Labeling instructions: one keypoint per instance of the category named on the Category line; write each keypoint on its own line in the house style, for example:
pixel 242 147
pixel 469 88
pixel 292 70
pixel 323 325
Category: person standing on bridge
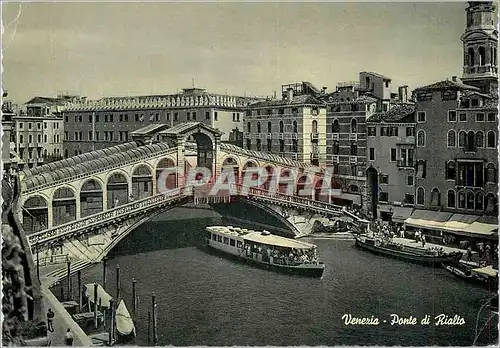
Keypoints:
pixel 68 338
pixel 50 319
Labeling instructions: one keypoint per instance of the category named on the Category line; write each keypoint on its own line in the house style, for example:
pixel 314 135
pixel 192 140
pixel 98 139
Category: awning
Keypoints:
pixel 486 271
pixel 400 214
pixel 459 222
pixel 428 219
pixel 478 228
pixel 356 199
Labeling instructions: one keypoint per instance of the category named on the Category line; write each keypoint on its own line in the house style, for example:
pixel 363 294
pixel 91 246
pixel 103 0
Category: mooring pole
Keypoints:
pixel 100 308
pixel 70 295
pixel 79 275
pixel 149 327
pixel 95 305
pixel 153 314
pixel 134 298
pixel 104 273
pixel 117 283
pixel 112 321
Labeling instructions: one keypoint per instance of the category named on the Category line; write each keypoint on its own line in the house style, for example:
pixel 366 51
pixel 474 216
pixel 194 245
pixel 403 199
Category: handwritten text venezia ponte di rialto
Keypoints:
pixel 396 320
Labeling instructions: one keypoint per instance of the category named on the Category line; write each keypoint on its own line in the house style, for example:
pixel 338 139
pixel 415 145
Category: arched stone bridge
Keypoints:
pixel 82 206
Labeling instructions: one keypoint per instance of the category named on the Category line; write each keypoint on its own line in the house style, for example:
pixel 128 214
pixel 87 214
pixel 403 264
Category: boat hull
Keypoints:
pixel 315 271
pixel 488 283
pixel 420 258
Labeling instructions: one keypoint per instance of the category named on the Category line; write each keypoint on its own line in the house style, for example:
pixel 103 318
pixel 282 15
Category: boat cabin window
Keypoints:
pixel 219 239
pixel 231 242
pixel 226 240
pixel 239 243
pixel 214 236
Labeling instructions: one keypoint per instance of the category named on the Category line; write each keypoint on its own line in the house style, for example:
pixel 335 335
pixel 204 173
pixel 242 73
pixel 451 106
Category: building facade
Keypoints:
pixel 93 125
pixel 391 163
pixel 293 127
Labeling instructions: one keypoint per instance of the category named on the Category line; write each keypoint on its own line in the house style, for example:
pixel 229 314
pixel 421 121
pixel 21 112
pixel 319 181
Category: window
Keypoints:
pixel 435 197
pixel 354 126
pixel 336 127
pixel 479 139
pixel 410 180
pixel 451 171
pixel 295 146
pixel 491 141
pixel 66 119
pixel 269 127
pixel 451 138
pixel 470 200
pixel 470 143
pixel 421 169
pixel 226 240
pixel 482 55
pixel 475 102
pixel 421 138
pixel 384 179
pixel 90 135
pixel 410 131
pixel 269 144
pixel 231 242
pixel 258 127
pixel 393 131
pixel 491 117
pixel 480 117
pixel 216 116
pixel 39 125
pixel 372 131
pixel 335 147
pixel 96 136
pixel 295 127
pixel 258 145
pixel 452 116
pixel 372 154
pixel 462 117
pixel 66 136
pixel 249 127
pixel 30 138
pixel 189 116
pixel 491 173
pixel 353 170
pixel 29 125
pixel 384 131
pixel 383 197
pixel 451 199
pixel 207 115
pixel 393 155
pixel 420 196
pixel 106 118
pixel 462 139
pixel 282 126
pixel 176 116
pixel 354 149
pixel 249 144
pixel 282 145
pixel 421 116
pixel 479 201
pixel 409 198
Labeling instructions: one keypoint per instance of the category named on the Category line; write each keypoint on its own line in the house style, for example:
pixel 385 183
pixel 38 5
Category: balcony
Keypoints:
pixel 269 136
pixel 295 136
pixel 405 164
pixel 248 136
pixel 353 159
pixel 314 136
pixel 280 136
pixel 335 136
pixel 353 136
pixel 294 156
pixel 336 159
pixel 314 156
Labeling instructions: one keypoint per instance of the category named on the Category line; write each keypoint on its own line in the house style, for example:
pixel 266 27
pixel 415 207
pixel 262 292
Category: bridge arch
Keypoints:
pixel 63 205
pixel 35 213
pixel 231 163
pixel 117 189
pixel 271 171
pixel 171 180
pixel 142 181
pixel 91 197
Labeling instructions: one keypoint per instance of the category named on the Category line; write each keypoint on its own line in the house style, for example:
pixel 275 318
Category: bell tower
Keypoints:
pixel 480 41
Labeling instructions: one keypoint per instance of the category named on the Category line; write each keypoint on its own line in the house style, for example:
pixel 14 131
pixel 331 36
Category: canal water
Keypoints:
pixel 204 299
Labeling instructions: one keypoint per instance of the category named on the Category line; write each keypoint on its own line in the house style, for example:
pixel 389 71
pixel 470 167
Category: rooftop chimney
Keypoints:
pixel 403 93
pixel 323 91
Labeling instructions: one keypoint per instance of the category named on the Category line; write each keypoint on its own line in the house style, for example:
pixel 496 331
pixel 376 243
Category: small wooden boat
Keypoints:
pixel 124 322
pixel 406 253
pixel 480 276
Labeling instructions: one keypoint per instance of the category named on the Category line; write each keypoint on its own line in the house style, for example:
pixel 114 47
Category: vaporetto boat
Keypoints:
pixel 266 250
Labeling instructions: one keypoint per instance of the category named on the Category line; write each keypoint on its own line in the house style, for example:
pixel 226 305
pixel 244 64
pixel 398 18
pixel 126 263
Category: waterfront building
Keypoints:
pixel 391 162
pixel 37 131
pixel 8 156
pixel 292 127
pixel 457 138
pixel 93 125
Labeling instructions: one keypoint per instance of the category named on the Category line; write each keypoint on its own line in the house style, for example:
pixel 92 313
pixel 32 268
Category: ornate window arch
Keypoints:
pixel 336 126
pixel 354 126
pixel 461 199
pixel 479 139
pixel 491 173
pixel 451 170
pixel 491 139
pixel 452 141
pixel 295 127
pixel 249 127
pixel 420 196
pixel 435 197
pixel 479 201
pixel 470 199
pixel 282 126
pixel 462 139
pixel 451 203
pixel 421 138
pixel 269 126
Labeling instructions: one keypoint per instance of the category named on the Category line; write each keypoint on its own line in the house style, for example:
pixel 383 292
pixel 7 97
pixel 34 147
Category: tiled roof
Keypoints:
pixel 447 84
pixel 188 126
pixel 46 100
pixel 100 163
pixel 402 112
pixel 365 99
pixel 87 156
pixel 297 100
pixel 150 129
pixel 377 75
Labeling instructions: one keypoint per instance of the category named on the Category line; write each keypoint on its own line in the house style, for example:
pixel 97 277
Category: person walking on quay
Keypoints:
pixel 423 241
pixel 68 338
pixel 469 253
pixel 50 319
pixel 481 250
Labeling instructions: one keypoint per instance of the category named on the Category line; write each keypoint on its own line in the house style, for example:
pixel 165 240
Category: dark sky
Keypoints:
pixel 106 49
